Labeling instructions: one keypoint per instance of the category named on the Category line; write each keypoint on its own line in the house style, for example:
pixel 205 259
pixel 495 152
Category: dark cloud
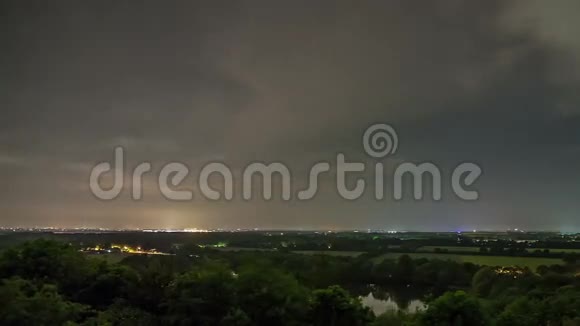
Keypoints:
pixel 296 81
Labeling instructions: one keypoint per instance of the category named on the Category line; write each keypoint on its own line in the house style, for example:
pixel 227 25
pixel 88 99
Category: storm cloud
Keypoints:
pixel 491 82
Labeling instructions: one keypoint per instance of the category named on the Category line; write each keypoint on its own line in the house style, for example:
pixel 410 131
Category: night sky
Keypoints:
pixel 491 82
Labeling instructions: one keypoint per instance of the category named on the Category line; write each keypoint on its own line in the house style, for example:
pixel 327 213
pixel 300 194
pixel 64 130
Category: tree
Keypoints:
pixel 121 314
pixel 110 283
pixel 335 307
pixel 271 297
pixel 155 275
pixel 571 258
pixel 47 261
pixel 236 317
pixel 202 296
pixel 454 308
pixel 395 318
pixel 483 281
pixel 405 269
pixel 521 312
pixel 24 303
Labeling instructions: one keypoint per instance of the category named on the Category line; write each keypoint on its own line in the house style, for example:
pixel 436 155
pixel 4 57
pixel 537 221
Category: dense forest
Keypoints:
pixel 46 282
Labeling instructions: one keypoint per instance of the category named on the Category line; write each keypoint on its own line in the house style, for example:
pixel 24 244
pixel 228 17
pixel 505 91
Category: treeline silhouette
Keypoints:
pixel 45 282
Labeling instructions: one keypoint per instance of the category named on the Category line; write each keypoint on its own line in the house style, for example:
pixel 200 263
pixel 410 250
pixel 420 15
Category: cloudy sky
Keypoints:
pixel 490 82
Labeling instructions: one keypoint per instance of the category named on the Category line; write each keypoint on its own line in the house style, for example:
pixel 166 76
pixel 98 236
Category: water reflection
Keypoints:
pixel 381 300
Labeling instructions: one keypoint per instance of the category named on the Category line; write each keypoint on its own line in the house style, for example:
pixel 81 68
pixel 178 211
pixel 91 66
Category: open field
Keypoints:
pixel 555 251
pixel 302 252
pixel 111 258
pixel 242 249
pixel 476 249
pixel 448 248
pixel 531 262
pixel 423 252
pixel 331 253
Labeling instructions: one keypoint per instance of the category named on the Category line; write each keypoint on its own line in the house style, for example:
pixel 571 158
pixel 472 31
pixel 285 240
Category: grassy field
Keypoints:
pixel 242 249
pixel 555 251
pixel 331 253
pixel 531 262
pixel 303 252
pixel 476 249
pixel 111 258
pixel 448 248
